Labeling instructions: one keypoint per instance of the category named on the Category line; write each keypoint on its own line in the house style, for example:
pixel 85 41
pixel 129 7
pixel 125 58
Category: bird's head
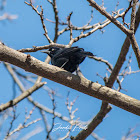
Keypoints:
pixel 52 51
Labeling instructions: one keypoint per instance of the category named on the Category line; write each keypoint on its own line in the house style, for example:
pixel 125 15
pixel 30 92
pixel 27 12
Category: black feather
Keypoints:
pixel 67 58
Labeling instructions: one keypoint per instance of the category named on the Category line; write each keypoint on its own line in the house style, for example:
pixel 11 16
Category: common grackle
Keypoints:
pixel 67 58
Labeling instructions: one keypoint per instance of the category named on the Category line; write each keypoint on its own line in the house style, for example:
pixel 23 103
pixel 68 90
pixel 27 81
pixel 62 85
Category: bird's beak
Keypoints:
pixel 46 51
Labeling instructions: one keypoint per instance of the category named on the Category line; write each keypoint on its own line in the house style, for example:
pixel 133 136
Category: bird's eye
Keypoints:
pixel 52 49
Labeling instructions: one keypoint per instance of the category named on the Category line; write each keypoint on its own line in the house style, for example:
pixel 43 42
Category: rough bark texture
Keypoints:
pixel 31 64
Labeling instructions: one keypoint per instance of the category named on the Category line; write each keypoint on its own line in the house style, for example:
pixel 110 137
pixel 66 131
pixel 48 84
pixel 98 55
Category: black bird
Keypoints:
pixel 67 58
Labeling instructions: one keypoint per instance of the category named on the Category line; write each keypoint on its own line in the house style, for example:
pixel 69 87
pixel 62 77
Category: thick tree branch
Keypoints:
pixel 132 38
pixel 123 53
pixel 81 84
pixel 135 48
pixel 93 124
pixel 133 15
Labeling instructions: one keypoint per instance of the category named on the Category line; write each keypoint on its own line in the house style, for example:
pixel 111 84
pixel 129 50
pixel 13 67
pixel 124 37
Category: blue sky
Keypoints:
pixel 26 31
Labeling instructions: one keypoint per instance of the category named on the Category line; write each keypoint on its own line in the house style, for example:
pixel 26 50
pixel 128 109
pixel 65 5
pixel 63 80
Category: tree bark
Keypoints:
pixel 31 64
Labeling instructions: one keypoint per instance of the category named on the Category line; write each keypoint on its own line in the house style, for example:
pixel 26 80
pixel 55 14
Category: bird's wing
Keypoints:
pixel 67 52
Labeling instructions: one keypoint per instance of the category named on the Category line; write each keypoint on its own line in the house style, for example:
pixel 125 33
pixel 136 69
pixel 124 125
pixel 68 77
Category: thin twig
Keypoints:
pixel 100 26
pixel 111 18
pixel 41 18
pixel 56 20
pixel 37 48
pixel 69 25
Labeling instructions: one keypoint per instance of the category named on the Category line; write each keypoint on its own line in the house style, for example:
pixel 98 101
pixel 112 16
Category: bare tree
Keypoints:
pixel 110 93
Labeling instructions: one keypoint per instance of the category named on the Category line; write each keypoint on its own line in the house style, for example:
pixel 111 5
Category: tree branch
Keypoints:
pixel 95 28
pixel 123 52
pixel 93 124
pixel 21 97
pixel 38 105
pixel 132 38
pixel 63 77
pixel 41 18
pixel 56 20
pixel 37 48
pixel 111 18
pixel 105 108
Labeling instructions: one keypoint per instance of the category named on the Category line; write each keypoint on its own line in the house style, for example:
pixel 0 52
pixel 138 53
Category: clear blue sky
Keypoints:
pixel 26 31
